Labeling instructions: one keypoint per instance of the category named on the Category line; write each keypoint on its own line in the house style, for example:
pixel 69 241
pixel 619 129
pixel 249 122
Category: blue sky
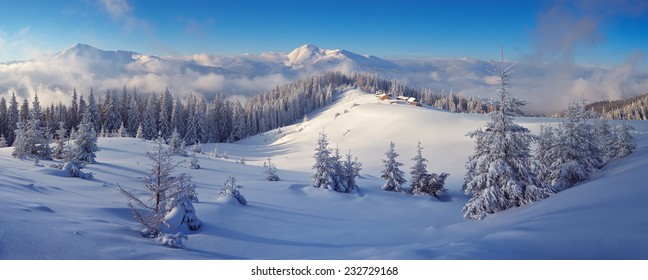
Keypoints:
pixel 604 33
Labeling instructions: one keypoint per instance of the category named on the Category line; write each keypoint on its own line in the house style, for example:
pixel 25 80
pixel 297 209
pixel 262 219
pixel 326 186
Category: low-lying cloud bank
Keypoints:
pixel 548 87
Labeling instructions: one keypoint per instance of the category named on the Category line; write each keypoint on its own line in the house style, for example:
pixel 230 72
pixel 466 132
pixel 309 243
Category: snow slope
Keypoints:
pixel 46 215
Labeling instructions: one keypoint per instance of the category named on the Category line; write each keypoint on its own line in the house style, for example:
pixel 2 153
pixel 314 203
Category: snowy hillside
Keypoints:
pixel 47 215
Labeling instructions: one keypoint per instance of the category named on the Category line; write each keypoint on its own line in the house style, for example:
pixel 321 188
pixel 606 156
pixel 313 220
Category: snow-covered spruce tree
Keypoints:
pixel 214 153
pixel 392 174
pixel 625 143
pixel 231 189
pixel 19 145
pixel 139 134
pixel 30 139
pixel 3 141
pixel 121 131
pixel 270 171
pixel 542 156
pixel 605 139
pixel 166 193
pixel 60 151
pixel 176 143
pixel 422 182
pixel 338 172
pixel 193 163
pixel 350 171
pixel 85 141
pixel 418 171
pixel 575 154
pixel 430 184
pixel 197 148
pixel 499 172
pixel 324 167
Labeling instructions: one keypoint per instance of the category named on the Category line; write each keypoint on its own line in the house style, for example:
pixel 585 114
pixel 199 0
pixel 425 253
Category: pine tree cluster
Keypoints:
pixel 579 145
pixel 331 172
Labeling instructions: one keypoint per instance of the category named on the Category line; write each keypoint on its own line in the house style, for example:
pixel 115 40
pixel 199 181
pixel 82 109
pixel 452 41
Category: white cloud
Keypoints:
pixel 121 11
pixel 118 9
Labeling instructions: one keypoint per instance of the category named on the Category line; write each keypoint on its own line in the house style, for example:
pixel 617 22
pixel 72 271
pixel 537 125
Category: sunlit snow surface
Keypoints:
pixel 47 215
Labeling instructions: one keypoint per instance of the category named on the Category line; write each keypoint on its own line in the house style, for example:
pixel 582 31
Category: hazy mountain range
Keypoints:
pixel 548 87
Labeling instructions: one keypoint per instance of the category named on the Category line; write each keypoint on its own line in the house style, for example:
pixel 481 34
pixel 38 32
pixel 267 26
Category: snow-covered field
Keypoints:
pixel 47 215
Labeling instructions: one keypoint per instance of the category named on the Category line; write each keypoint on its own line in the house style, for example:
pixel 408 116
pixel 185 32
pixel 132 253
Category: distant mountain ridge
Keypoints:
pixel 81 66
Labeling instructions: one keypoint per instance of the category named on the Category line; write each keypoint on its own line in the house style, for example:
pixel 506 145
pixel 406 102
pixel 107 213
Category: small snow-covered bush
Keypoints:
pixel 270 172
pixel 183 214
pixel 74 170
pixel 173 240
pixel 231 189
pixel 197 148
pixel 214 153
pixel 193 164
pixel 430 184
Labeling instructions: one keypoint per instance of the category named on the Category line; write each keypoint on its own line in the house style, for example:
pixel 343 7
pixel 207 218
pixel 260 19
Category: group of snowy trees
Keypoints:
pixel 422 181
pixel 578 146
pixel 502 173
pixel 634 108
pixel 331 172
pixel 31 139
pixel 334 173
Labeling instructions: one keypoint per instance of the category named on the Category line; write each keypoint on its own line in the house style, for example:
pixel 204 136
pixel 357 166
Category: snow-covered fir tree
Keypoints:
pixel 605 139
pixel 214 153
pixel 422 182
pixel 60 150
pixel 164 118
pixel 431 184
pixel 351 168
pixel 13 117
pixel 499 173
pixel 30 139
pixel 3 141
pixel 239 130
pixel 194 163
pixel 394 177
pixel 576 153
pixel 324 167
pixel 85 140
pixel 133 116
pixel 197 148
pixel 625 143
pixel 270 171
pixel 542 156
pixel 139 134
pixel 419 169
pixel 121 131
pixel 176 143
pixel 149 119
pixel 166 193
pixel 231 189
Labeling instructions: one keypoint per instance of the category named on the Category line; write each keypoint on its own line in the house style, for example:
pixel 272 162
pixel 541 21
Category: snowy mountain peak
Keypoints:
pixel 305 53
pixel 92 54
pixel 312 56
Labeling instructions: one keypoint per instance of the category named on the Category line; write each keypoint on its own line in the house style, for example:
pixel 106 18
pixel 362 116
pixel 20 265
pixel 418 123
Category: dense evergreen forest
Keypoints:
pixel 634 108
pixel 220 119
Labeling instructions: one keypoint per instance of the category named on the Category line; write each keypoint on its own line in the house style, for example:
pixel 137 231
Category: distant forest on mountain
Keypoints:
pixel 634 108
pixel 222 119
